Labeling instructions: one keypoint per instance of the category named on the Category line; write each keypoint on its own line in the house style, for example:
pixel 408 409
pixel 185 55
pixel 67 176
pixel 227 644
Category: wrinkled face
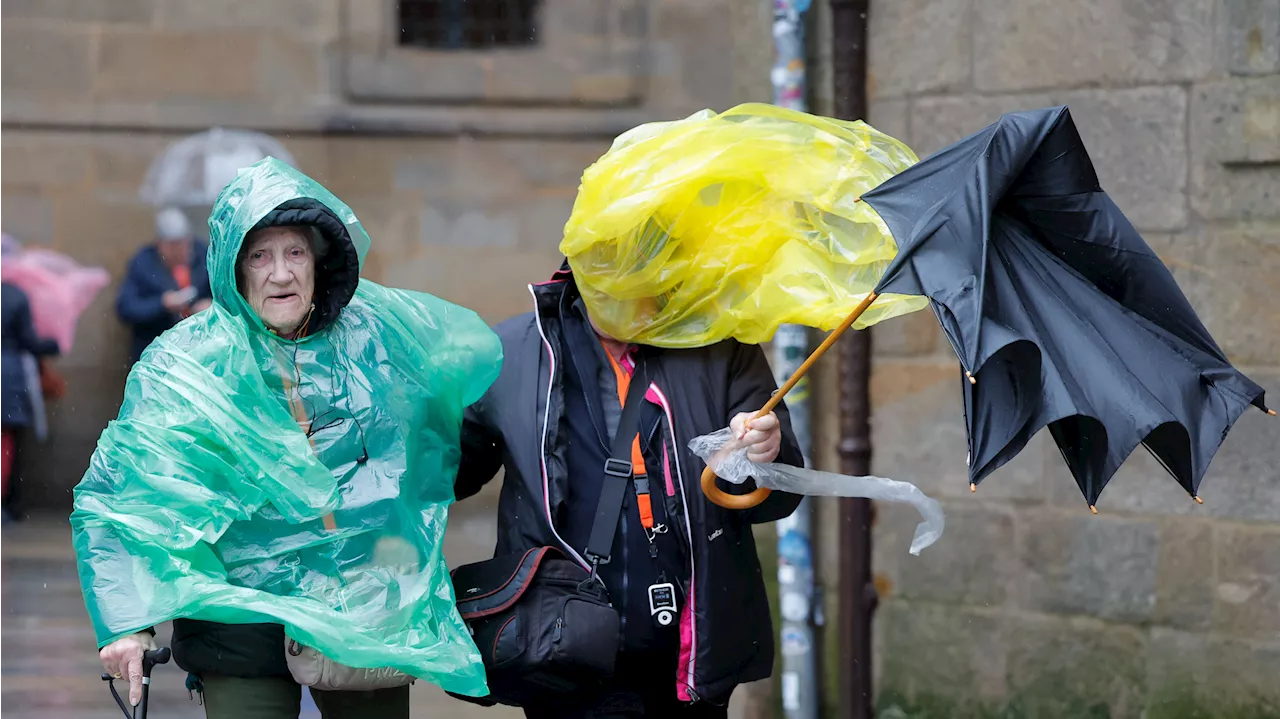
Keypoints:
pixel 175 253
pixel 277 274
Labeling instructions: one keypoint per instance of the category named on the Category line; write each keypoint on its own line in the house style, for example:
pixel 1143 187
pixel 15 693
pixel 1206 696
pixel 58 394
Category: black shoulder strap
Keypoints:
pixel 617 470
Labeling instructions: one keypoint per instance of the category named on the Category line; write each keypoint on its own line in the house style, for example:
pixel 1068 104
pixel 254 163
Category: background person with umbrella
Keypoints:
pixel 45 292
pixel 20 402
pixel 166 281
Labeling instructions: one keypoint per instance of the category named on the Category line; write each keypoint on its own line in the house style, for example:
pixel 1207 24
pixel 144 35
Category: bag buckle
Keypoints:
pixel 620 468
pixel 596 560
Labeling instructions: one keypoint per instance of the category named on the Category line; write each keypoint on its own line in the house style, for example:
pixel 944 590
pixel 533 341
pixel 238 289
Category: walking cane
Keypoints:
pixel 149 659
pixel 751 499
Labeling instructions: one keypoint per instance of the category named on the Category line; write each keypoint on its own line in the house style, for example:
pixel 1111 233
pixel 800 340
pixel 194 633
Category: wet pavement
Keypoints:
pixel 48 663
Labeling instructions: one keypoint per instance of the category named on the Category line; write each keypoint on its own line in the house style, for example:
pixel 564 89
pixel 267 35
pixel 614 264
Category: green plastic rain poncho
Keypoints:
pixel 213 497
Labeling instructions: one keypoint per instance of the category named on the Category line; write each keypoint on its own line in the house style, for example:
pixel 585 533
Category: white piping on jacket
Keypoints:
pixel 546 423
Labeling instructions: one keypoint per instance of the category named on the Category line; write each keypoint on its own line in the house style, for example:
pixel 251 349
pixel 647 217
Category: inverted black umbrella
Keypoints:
pixel 1059 312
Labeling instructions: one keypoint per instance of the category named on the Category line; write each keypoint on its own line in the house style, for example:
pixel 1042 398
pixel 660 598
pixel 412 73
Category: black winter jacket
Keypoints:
pixel 17 337
pixel 726 635
pixel 139 302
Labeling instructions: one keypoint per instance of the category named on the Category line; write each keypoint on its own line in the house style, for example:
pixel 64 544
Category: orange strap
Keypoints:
pixel 646 510
pixel 637 457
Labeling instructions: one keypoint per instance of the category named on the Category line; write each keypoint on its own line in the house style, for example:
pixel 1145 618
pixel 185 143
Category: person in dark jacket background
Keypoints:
pixel 548 421
pixel 19 340
pixel 166 281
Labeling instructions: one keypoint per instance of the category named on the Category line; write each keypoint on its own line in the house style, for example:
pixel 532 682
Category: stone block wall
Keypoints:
pixel 1029 606
pixel 464 189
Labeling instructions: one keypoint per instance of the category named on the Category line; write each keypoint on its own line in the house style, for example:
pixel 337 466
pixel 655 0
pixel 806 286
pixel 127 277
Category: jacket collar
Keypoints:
pixel 548 295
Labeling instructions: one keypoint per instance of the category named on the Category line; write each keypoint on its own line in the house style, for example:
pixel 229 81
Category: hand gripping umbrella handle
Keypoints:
pixel 747 501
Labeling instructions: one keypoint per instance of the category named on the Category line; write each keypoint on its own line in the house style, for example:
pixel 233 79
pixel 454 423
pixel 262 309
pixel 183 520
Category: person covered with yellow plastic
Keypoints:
pixel 281 469
pixel 689 242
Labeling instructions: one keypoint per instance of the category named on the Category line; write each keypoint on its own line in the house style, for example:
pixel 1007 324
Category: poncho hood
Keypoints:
pixel 270 193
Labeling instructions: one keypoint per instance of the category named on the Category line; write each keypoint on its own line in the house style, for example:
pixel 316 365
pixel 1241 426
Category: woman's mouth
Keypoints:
pixel 286 297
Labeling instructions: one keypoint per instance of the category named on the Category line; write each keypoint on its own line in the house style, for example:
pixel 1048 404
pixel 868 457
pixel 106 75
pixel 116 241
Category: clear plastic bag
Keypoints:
pixel 728 457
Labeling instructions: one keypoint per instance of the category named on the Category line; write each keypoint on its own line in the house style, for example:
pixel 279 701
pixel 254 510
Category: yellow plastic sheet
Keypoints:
pixel 689 232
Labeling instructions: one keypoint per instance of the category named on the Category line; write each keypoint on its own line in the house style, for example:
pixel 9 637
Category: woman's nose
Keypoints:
pixel 280 272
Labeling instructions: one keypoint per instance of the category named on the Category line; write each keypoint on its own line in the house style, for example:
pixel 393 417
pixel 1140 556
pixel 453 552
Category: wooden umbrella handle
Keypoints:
pixel 747 501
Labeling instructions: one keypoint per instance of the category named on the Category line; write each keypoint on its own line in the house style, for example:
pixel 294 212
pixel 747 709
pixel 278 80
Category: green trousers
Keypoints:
pixel 281 698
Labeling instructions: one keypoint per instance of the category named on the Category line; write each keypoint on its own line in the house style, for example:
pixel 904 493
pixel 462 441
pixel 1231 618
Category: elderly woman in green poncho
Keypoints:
pixel 281 469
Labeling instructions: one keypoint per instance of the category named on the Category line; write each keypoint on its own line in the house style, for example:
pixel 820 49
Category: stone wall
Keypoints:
pixel 463 166
pixel 1029 605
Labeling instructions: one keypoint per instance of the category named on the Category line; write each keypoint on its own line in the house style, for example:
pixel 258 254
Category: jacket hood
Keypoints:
pixel 271 193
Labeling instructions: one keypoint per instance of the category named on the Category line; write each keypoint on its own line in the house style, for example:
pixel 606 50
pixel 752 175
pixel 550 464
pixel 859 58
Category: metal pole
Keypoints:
pixel 800 689
pixel 857 590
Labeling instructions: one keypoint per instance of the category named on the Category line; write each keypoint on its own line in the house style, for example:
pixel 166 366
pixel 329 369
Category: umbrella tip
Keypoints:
pixel 973 487
pixel 856 200
pixel 1198 500
pixel 1093 509
pixel 1271 412
pixel 972 379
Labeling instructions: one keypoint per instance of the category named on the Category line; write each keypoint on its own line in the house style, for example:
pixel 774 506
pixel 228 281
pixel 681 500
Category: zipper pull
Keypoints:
pixel 559 626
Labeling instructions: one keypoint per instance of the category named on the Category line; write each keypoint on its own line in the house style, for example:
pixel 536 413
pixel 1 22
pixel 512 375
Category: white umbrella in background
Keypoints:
pixel 192 171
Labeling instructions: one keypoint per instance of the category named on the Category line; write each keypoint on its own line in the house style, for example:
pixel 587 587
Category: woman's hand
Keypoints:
pixel 173 301
pixel 123 658
pixel 762 436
